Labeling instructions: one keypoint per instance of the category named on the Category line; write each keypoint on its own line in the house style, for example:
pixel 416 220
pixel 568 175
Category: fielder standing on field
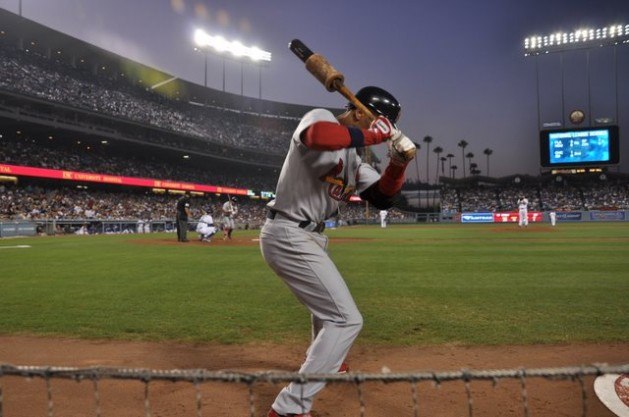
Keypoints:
pixel 229 211
pixel 321 171
pixel 383 218
pixel 523 211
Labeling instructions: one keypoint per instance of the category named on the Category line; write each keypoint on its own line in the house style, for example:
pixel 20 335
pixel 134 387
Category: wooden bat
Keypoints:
pixel 333 81
pixel 323 71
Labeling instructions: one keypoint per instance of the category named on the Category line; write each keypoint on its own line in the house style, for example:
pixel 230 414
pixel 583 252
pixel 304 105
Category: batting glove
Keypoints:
pixel 383 129
pixel 402 150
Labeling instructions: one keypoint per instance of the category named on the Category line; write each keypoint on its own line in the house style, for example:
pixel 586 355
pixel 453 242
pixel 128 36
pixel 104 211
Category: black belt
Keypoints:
pixel 304 224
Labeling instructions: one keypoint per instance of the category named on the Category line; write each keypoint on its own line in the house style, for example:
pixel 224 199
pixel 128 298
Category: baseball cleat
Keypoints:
pixel 273 413
pixel 344 368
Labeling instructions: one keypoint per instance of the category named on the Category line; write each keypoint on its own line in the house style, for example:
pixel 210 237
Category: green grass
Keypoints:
pixel 431 284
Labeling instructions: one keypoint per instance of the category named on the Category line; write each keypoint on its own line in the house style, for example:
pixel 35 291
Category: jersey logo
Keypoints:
pixel 332 175
pixel 337 189
pixel 340 193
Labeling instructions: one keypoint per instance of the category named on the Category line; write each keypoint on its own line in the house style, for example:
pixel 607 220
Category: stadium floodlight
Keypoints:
pixel 221 45
pixel 581 38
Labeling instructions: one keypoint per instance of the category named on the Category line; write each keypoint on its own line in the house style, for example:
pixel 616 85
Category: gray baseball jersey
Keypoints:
pixel 312 186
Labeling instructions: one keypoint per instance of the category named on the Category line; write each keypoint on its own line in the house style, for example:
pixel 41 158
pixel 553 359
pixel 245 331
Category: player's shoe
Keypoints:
pixel 344 368
pixel 273 413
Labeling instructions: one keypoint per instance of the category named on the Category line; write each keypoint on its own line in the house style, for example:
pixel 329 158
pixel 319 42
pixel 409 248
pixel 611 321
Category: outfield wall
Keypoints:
pixel 544 217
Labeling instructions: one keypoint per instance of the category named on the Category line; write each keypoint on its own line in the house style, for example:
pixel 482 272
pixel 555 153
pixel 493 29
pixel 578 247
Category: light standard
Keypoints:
pixel 233 49
pixel 584 38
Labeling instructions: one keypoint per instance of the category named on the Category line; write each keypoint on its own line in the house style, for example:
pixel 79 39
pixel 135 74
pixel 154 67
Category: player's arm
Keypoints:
pixel 384 191
pixel 331 136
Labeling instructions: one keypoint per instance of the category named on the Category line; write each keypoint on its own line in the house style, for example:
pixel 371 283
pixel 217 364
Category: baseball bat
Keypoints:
pixel 332 79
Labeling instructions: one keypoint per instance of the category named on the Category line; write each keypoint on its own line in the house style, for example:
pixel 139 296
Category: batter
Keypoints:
pixel 321 171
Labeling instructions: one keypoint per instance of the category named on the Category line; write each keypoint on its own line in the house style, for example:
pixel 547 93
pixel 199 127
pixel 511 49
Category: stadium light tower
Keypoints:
pixel 579 39
pixel 234 49
pixel 585 38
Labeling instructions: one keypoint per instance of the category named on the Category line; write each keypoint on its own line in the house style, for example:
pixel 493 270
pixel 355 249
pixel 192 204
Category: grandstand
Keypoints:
pixel 79 121
pixel 68 106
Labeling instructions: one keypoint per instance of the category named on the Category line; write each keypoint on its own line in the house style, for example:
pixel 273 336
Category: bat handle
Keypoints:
pixel 300 49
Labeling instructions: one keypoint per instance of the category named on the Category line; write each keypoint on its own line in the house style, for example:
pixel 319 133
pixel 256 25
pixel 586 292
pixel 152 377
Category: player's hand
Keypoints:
pixel 383 128
pixel 402 150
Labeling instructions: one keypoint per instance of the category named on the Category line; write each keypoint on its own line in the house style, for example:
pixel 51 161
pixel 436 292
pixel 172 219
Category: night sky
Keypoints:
pixel 457 66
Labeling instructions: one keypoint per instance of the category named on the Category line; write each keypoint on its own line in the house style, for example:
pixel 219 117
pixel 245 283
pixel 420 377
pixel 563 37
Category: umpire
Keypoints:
pixel 183 212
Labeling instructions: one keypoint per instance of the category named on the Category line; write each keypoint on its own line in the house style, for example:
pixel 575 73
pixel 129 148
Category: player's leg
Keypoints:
pixel 300 259
pixel 184 230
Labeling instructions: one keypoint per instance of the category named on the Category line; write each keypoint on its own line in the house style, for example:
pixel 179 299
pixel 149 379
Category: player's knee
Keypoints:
pixel 355 320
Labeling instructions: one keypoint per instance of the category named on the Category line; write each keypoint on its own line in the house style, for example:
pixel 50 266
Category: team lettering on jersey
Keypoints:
pixel 337 189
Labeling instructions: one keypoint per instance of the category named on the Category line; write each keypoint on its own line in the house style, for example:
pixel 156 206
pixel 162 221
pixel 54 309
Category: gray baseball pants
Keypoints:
pixel 301 260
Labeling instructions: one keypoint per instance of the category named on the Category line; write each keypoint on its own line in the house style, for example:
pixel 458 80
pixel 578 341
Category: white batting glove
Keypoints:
pixel 401 149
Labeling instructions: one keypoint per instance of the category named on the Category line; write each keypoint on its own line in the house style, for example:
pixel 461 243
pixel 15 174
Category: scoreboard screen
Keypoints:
pixel 579 147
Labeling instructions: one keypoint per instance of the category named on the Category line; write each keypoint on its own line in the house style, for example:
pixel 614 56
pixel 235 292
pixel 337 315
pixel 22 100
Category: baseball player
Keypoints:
pixel 229 211
pixel 383 218
pixel 553 217
pixel 321 171
pixel 183 212
pixel 523 207
pixel 205 226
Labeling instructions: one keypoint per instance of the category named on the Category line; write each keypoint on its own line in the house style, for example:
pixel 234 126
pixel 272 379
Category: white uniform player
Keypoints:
pixel 523 211
pixel 229 211
pixel 383 218
pixel 206 228
pixel 553 217
pixel 321 171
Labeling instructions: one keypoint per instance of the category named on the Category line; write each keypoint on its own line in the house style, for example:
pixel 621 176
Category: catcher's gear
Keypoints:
pixel 401 149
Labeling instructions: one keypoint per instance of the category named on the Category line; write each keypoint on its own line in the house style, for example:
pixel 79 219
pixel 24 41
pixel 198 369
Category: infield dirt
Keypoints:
pixel 28 397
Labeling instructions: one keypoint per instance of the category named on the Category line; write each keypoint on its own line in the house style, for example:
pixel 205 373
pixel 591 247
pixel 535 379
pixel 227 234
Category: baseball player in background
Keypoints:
pixel 383 218
pixel 321 171
pixel 523 211
pixel 229 211
pixel 183 212
pixel 553 217
pixel 205 226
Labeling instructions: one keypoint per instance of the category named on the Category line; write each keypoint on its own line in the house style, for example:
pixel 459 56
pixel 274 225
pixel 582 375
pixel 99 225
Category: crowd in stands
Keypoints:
pixel 31 74
pixel 100 159
pixel 35 203
pixel 588 195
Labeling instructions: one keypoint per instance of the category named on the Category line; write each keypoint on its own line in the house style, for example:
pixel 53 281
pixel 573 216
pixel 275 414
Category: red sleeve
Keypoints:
pixel 392 179
pixel 329 136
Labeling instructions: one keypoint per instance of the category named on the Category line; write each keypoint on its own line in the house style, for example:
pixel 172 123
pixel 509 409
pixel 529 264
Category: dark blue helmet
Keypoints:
pixel 380 101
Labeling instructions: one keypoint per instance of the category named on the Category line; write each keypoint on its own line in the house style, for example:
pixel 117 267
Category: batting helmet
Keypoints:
pixel 380 101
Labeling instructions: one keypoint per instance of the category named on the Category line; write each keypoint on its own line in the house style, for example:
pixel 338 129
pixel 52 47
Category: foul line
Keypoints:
pixel 16 247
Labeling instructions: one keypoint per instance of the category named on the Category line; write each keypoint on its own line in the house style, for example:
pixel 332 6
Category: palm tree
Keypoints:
pixel 443 160
pixel 427 140
pixel 488 152
pixel 463 144
pixel 450 156
pixel 469 156
pixel 438 150
pixel 473 168
pixel 453 168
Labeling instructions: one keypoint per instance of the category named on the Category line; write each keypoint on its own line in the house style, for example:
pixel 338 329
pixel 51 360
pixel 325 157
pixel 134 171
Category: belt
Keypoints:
pixel 307 225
